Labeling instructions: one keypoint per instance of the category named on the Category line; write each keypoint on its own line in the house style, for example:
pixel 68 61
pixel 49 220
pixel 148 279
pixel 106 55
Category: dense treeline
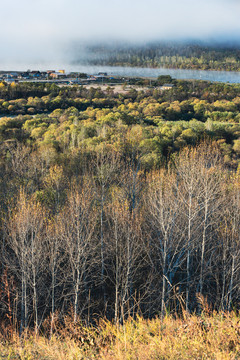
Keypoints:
pixel 106 238
pixel 181 56
pixel 156 123
pixel 114 209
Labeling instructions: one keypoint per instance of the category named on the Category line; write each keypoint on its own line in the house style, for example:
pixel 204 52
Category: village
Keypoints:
pixel 63 78
pixel 60 76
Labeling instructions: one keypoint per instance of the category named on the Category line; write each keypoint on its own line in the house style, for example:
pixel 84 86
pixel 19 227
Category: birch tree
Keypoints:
pixel 211 177
pixel 55 257
pixel 78 221
pixel 167 240
pixel 107 166
pixel 187 185
pixel 125 249
pixel 26 228
pixel 229 237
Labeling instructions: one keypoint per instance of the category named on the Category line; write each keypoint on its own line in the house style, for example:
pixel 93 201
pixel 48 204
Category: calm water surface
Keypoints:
pixel 221 76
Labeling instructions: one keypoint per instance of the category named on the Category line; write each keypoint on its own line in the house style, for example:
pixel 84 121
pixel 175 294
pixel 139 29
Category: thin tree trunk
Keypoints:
pixel 102 253
pixel 224 279
pixel 23 314
pixel 163 305
pixel 25 302
pixel 35 302
pixel 76 297
pixel 53 300
pixel 188 250
pixel 117 280
pixel 231 283
pixel 203 245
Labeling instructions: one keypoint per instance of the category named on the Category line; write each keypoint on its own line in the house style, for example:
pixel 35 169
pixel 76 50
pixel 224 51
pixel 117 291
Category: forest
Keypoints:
pixel 173 55
pixel 117 205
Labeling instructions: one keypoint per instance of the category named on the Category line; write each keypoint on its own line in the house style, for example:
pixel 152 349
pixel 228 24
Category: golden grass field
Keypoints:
pixel 215 337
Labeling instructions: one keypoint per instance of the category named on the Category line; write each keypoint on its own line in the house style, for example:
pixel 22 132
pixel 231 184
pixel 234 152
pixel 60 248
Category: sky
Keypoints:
pixel 43 30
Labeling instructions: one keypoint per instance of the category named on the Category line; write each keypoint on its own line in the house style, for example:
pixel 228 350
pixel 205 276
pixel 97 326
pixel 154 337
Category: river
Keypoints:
pixel 221 76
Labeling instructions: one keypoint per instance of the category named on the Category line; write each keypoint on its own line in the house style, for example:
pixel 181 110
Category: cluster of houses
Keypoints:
pixel 16 76
pixel 52 75
pixel 61 76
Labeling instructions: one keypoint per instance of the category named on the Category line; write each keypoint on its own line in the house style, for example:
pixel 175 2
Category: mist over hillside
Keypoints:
pixel 92 51
pixel 52 32
pixel 184 54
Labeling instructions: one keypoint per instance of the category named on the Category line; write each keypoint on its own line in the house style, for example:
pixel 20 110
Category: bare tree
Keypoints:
pixel 107 166
pixel 167 239
pixel 211 176
pixel 25 229
pixel 125 249
pixel 55 257
pixel 229 237
pixel 187 185
pixel 78 222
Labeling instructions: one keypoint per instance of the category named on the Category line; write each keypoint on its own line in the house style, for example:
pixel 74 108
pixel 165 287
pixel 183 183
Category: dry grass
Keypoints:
pixel 215 336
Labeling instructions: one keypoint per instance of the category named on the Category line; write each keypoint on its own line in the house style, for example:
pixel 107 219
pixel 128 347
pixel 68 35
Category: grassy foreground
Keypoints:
pixel 194 337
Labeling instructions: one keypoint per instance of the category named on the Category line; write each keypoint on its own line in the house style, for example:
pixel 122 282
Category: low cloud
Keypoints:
pixel 41 30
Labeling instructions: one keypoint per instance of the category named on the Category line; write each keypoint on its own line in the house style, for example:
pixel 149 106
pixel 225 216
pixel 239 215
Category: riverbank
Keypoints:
pixel 179 74
pixel 125 72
